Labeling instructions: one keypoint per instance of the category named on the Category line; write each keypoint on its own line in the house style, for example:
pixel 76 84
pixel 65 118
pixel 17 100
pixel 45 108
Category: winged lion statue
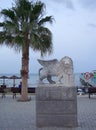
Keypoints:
pixel 63 70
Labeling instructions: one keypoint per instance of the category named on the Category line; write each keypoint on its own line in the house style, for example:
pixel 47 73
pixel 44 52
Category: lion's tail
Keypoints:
pixel 40 70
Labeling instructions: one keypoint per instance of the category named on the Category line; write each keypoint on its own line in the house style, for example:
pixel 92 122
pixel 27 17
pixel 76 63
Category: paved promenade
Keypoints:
pixel 21 115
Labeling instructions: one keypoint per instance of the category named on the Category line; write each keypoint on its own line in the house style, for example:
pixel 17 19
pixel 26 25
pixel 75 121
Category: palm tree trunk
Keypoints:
pixel 24 72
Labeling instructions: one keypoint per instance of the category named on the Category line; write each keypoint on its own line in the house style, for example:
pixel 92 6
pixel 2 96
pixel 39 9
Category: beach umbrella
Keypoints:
pixel 3 77
pixel 14 77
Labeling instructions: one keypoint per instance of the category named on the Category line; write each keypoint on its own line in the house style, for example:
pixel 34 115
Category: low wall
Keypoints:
pixel 56 106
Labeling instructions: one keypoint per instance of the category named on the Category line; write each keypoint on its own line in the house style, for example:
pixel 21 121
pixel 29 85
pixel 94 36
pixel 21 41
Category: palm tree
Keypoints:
pixel 23 27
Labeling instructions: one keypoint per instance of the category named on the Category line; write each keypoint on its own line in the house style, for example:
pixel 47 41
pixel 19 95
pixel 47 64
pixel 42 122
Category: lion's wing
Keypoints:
pixel 47 62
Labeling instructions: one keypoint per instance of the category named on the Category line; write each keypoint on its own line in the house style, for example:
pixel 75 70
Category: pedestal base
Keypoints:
pixel 56 106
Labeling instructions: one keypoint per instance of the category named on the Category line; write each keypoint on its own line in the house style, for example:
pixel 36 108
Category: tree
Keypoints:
pixel 23 27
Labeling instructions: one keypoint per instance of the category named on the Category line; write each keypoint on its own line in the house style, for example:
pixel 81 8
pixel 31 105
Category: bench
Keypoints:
pixel 3 90
pixel 91 90
pixel 16 90
pixel 31 90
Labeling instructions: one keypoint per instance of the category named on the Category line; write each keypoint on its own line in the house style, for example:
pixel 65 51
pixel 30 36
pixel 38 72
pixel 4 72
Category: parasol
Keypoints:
pixel 14 77
pixel 3 77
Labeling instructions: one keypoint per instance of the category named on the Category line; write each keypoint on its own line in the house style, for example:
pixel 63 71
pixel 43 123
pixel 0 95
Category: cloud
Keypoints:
pixel 90 4
pixel 92 25
pixel 65 3
pixel 69 4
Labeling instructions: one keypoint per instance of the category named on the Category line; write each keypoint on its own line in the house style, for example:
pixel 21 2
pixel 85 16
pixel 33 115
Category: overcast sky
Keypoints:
pixel 74 35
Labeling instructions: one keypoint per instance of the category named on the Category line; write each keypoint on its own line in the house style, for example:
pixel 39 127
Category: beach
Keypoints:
pixel 16 115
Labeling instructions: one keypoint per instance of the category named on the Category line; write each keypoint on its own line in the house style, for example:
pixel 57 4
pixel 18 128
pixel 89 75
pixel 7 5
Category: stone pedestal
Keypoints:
pixel 56 106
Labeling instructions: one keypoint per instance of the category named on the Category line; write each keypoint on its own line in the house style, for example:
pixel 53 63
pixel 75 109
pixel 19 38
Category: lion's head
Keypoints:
pixel 67 62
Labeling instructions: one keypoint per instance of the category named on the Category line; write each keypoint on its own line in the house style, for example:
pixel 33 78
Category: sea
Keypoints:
pixel 32 80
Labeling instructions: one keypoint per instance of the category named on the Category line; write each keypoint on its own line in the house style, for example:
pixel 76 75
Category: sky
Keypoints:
pixel 74 35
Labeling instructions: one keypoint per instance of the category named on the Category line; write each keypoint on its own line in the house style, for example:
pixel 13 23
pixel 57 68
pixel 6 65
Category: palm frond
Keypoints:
pixel 46 19
pixel 8 14
pixel 2 24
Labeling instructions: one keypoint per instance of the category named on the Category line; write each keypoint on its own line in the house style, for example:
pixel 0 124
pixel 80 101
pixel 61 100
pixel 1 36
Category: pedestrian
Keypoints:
pixel 20 86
